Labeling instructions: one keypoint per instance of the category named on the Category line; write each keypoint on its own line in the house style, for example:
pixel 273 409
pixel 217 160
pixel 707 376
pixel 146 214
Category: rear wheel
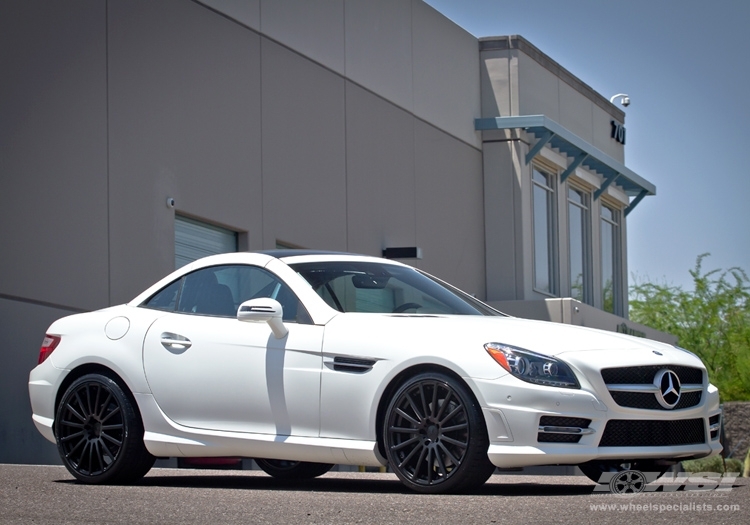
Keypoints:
pixel 290 470
pixel 99 432
pixel 435 436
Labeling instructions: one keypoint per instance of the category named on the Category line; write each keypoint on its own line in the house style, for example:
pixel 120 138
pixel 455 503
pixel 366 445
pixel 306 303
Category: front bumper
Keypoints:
pixel 514 415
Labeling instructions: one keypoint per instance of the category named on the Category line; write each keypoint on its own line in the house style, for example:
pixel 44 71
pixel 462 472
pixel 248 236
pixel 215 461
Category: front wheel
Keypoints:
pixel 99 432
pixel 435 436
pixel 292 470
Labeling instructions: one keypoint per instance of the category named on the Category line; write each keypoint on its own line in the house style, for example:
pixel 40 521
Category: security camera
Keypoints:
pixel 170 202
pixel 624 96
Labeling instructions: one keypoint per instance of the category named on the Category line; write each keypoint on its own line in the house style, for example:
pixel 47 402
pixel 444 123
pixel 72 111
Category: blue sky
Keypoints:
pixel 686 66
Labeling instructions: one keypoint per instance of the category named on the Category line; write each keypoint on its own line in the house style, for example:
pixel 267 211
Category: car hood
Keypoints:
pixel 443 335
pixel 540 336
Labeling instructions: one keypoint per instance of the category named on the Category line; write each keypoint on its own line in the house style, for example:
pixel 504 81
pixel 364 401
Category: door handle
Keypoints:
pixel 175 342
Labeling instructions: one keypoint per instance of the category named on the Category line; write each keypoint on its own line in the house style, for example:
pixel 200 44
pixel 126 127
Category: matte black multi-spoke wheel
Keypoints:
pixel 435 436
pixel 99 433
pixel 283 469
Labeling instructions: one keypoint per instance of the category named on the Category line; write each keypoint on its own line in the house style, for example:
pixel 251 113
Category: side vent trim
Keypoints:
pixel 352 364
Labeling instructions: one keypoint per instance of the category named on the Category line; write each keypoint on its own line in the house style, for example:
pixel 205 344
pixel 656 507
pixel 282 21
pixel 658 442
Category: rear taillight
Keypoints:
pixel 48 345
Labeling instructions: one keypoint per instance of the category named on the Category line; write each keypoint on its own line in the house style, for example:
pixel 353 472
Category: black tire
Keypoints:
pixel 594 470
pixel 292 470
pixel 99 433
pixel 435 436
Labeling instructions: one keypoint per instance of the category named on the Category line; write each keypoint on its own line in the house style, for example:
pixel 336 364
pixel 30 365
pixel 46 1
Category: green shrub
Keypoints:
pixel 713 464
pixel 713 321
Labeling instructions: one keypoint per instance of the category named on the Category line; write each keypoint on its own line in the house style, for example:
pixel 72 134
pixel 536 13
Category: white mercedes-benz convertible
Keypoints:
pixel 302 360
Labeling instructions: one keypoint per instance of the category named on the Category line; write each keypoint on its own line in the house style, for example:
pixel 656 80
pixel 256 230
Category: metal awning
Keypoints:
pixel 549 132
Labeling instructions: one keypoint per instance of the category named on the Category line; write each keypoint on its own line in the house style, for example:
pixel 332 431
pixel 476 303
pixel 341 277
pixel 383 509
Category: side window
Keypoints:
pixel 166 298
pixel 220 290
pixel 203 293
pixel 250 282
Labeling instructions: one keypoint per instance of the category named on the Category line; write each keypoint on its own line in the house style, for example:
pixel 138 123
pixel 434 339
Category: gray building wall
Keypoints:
pixel 344 126
pixel 184 121
pixel 53 192
pixel 336 124
pixel 53 153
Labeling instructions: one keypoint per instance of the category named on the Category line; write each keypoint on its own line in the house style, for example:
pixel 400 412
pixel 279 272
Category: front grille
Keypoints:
pixel 560 421
pixel 644 375
pixel 637 376
pixel 647 400
pixel 648 433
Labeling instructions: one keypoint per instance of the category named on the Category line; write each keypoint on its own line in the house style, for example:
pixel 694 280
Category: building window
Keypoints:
pixel 579 244
pixel 610 228
pixel 195 239
pixel 544 232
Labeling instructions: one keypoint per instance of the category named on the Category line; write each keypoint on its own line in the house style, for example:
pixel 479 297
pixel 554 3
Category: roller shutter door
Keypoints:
pixel 194 239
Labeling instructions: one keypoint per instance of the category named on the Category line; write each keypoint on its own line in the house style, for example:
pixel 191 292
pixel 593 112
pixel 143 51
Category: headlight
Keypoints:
pixel 532 367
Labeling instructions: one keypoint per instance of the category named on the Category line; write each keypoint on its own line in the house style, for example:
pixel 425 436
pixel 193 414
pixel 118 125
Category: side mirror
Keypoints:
pixel 264 310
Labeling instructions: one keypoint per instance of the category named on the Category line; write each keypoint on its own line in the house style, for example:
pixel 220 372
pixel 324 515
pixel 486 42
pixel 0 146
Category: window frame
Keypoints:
pixel 552 221
pixel 586 241
pixel 616 238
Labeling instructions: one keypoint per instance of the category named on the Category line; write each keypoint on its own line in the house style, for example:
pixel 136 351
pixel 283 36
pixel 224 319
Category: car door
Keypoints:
pixel 208 370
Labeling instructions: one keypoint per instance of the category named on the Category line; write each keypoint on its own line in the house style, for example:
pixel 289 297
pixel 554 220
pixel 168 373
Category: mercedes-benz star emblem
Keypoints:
pixel 668 385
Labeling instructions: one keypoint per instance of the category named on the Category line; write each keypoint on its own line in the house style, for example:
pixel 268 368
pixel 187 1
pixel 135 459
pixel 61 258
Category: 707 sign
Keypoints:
pixel 618 132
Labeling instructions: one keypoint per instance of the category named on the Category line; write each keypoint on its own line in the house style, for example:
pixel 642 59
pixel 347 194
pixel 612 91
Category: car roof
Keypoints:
pixel 304 256
pixel 282 253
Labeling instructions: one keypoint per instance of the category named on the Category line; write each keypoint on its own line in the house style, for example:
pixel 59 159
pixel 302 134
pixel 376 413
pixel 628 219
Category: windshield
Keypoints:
pixel 386 288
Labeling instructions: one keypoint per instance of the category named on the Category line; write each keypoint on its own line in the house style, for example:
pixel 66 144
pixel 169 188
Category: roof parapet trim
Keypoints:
pixel 549 132
pixel 510 42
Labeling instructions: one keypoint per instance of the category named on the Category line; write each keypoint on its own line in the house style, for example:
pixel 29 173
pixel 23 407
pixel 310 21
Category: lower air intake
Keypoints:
pixel 648 433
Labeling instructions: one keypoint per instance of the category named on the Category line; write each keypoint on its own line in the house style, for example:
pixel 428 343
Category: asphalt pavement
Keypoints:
pixel 49 495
